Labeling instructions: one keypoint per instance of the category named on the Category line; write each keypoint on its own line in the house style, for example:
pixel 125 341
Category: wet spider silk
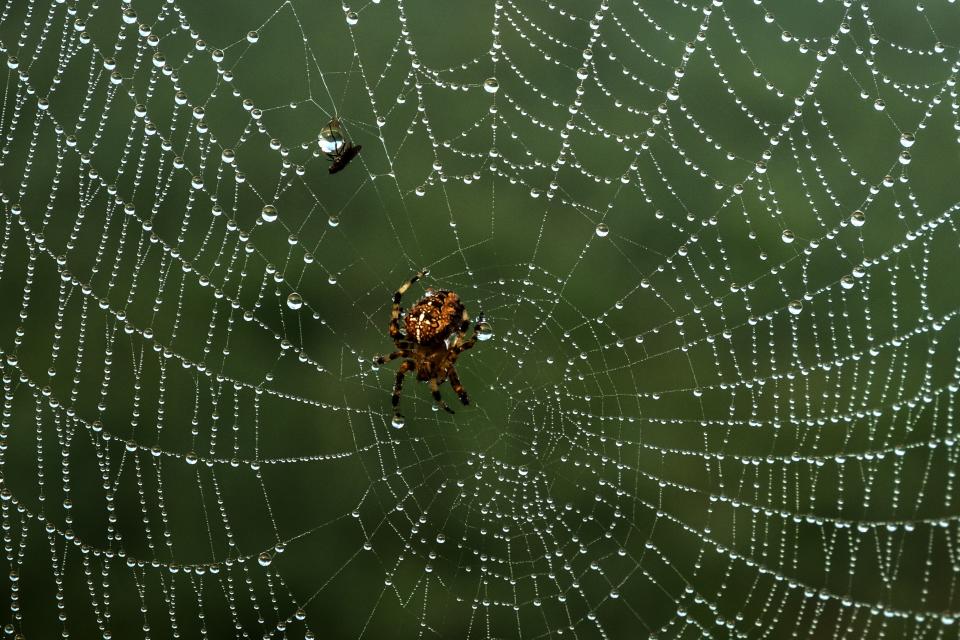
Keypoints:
pixel 716 387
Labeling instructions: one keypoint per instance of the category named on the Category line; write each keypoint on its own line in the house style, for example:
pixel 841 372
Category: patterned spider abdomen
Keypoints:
pixel 434 317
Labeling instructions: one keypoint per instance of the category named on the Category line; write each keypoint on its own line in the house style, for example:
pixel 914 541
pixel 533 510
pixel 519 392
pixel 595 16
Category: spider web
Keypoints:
pixel 717 244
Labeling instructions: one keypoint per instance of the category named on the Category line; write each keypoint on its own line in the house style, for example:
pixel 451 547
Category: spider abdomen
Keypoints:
pixel 434 317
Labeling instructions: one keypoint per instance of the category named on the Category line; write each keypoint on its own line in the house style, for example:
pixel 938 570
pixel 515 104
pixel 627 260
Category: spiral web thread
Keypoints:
pixel 716 244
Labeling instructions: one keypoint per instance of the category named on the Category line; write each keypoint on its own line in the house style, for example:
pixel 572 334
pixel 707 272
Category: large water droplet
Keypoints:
pixel 787 236
pixel 268 213
pixel 352 18
pixel 484 331
pixel 331 138
pixel 795 307
pixel 602 230
pixel 490 85
pixel 265 559
pixel 907 139
pixel 857 218
pixel 294 300
pixel 398 421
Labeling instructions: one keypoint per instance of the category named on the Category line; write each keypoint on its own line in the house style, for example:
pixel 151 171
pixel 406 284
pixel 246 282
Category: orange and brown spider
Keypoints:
pixel 435 328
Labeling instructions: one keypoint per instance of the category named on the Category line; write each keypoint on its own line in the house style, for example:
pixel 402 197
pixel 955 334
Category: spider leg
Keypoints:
pixel 472 340
pixel 435 390
pixel 464 322
pixel 457 387
pixel 407 365
pixel 402 353
pixel 395 311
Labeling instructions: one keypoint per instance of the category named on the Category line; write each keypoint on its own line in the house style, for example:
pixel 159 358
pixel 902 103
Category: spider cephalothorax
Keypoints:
pixel 435 327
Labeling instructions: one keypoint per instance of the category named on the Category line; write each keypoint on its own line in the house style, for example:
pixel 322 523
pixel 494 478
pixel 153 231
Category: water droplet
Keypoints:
pixel 191 458
pixel 490 85
pixel 268 213
pixel 602 230
pixel 614 594
pixel 907 140
pixel 847 282
pixel 441 538
pixel 294 300
pixel 795 307
pixel 857 218
pixel 484 331
pixel 252 37
pixel 228 156
pixel 398 421
pixel 879 104
pixel 905 158
pixel 523 470
pixel 787 236
pixel 264 559
pixel 331 138
pixel 333 221
pixel 352 18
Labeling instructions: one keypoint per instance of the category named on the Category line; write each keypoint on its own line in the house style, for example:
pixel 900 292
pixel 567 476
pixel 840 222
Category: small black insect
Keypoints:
pixel 334 144
pixel 343 157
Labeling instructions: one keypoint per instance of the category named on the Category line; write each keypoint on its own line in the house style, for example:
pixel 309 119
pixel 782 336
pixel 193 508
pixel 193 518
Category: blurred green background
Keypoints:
pixel 655 444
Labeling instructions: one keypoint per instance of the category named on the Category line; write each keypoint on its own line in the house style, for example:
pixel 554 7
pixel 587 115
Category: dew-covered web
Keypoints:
pixel 716 242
